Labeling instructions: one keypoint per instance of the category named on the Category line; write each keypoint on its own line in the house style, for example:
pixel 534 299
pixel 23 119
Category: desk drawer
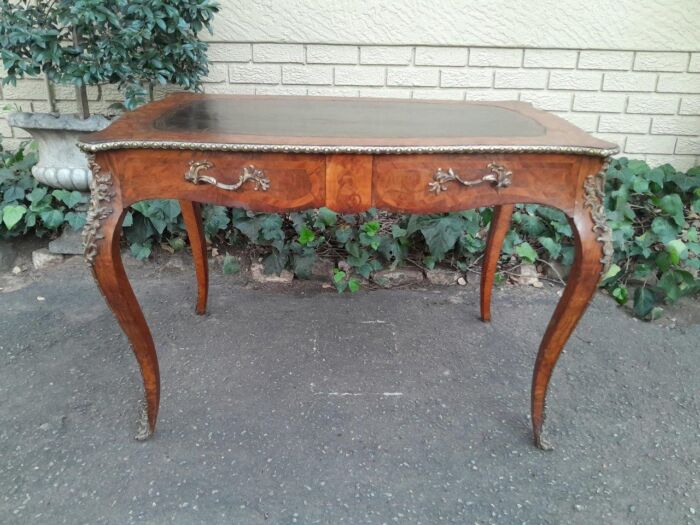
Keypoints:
pixel 424 183
pixel 262 182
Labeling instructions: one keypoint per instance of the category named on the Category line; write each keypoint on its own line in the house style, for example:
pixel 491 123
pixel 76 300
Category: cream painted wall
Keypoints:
pixel 627 71
pixel 653 25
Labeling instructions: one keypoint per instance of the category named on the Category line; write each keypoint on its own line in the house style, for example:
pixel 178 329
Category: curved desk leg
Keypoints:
pixel 497 232
pixel 582 283
pixel 192 214
pixel 102 235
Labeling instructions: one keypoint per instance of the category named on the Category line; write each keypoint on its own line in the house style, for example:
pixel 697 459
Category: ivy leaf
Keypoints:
pixel 441 234
pixel 338 275
pixel 532 225
pixel 670 287
pixel 52 219
pixel 177 243
pixel 306 235
pixel 327 217
pixel 13 193
pixel 128 219
pixel 12 214
pixel 612 272
pixel 302 263
pixel 640 184
pixel 676 249
pixel 371 228
pixel 656 176
pixel 673 206
pixel 69 198
pixel 275 261
pixel 397 231
pixel 216 218
pixel 644 301
pixel 664 229
pixel 526 252
pixel 76 220
pixel 619 293
pixel 37 194
pixel 231 265
pixel 343 234
pixel 552 246
pixel 140 251
pixel 353 285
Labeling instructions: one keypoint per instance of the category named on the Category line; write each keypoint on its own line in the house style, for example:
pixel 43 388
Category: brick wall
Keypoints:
pixel 646 102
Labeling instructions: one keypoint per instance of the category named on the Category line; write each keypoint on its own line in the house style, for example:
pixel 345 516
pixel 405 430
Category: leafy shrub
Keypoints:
pixel 28 206
pixel 124 42
pixel 654 215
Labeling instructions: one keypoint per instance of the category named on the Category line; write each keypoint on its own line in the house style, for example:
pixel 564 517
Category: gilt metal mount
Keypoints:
pixel 499 177
pixel 195 176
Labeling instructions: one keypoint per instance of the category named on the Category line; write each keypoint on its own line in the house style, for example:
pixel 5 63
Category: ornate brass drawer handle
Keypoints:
pixel 500 177
pixel 258 176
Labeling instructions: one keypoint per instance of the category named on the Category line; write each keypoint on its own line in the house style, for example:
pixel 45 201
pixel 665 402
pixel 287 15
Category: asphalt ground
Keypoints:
pixel 293 404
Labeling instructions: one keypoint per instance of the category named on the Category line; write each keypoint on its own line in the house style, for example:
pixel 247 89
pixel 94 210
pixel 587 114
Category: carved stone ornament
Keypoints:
pixel 100 196
pixel 594 193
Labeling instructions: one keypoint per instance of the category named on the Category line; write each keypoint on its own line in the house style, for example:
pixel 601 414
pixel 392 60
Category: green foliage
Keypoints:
pixel 231 265
pixel 654 215
pixel 130 43
pixel 28 206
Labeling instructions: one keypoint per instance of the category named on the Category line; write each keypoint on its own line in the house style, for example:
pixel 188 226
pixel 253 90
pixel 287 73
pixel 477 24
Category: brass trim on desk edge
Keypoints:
pixel 366 150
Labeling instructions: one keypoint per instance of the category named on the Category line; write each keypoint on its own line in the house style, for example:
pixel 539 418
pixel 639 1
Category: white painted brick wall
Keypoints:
pixel 360 76
pixel 441 56
pixel 589 59
pixel 648 102
pixel 324 54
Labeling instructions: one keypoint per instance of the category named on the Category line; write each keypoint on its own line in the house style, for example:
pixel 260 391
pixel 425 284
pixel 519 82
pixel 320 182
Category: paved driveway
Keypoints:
pixel 297 405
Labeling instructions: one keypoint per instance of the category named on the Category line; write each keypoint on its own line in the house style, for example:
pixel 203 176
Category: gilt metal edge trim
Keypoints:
pixel 100 196
pixel 320 149
pixel 594 195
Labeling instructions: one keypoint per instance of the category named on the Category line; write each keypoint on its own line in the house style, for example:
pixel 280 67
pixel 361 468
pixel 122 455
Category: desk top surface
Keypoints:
pixel 337 125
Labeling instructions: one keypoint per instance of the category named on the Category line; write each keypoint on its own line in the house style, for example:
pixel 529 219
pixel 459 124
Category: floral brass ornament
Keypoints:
pixel 100 196
pixel 195 176
pixel 594 193
pixel 499 177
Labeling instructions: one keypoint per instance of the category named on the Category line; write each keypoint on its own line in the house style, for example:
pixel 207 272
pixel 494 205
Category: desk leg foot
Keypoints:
pixel 145 431
pixel 497 232
pixel 581 285
pixel 192 214
pixel 109 273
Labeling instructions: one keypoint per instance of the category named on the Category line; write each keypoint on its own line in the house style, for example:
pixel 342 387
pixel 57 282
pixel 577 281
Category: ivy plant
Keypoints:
pixel 654 215
pixel 28 206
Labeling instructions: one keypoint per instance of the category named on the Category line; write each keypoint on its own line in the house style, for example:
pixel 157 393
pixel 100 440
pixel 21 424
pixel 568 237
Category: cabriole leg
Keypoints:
pixel 192 215
pixel 581 285
pixel 101 236
pixel 497 232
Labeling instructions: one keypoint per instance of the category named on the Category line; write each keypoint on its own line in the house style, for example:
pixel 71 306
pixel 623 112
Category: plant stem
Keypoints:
pixel 50 95
pixel 80 91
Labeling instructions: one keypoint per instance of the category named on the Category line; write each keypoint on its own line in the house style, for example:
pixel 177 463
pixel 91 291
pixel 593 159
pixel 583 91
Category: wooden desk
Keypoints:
pixel 278 154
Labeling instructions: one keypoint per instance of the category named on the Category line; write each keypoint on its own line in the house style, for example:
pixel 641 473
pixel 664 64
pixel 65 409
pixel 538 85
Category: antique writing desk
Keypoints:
pixel 279 154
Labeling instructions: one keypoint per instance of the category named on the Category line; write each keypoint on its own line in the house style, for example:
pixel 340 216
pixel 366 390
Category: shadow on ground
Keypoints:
pixel 297 405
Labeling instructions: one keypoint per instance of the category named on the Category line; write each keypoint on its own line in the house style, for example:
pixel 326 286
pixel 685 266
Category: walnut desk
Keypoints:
pixel 278 154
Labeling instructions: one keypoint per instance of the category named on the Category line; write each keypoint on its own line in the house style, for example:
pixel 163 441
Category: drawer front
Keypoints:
pixel 261 182
pixel 431 183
